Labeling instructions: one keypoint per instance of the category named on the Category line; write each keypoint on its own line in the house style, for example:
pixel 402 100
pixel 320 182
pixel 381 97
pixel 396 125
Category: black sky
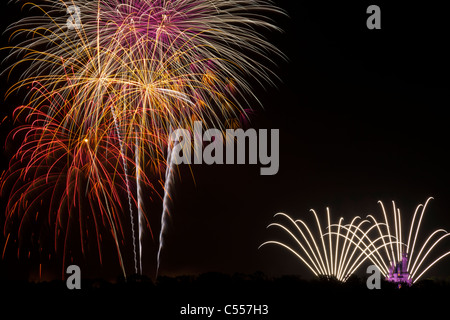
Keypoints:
pixel 362 117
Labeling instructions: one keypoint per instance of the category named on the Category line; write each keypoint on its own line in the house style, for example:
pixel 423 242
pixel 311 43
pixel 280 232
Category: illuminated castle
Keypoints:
pixel 398 273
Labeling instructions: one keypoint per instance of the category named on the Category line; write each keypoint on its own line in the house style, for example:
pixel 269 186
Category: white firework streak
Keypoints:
pixel 416 261
pixel 332 260
pixel 139 200
pixel 125 167
pixel 169 176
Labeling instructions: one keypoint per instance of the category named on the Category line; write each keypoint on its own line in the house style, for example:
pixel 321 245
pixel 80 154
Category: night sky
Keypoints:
pixel 362 116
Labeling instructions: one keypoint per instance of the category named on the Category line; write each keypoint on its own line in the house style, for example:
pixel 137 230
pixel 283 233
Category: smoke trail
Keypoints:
pixel 139 200
pixel 130 202
pixel 166 202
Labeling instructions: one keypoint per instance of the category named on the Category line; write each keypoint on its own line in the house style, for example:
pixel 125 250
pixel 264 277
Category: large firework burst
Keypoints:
pixel 107 80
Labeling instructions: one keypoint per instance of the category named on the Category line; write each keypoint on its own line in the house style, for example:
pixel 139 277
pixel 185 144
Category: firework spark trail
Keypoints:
pixel 367 246
pixel 169 177
pixel 139 200
pixel 160 64
pixel 335 260
pixel 127 183
pixel 418 260
pixel 386 260
pixel 60 164
pixel 110 216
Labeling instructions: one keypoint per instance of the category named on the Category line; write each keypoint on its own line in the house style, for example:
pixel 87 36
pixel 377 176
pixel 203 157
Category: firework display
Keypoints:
pixel 381 243
pixel 155 153
pixel 406 262
pixel 105 82
pixel 325 253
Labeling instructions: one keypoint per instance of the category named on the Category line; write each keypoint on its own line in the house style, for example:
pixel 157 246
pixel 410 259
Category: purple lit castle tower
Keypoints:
pixel 398 273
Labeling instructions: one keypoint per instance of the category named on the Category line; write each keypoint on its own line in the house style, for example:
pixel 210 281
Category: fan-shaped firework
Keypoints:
pixel 106 83
pixel 324 252
pixel 406 262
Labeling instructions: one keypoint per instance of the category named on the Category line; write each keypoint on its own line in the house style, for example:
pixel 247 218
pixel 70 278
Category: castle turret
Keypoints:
pixel 398 272
pixel 404 263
